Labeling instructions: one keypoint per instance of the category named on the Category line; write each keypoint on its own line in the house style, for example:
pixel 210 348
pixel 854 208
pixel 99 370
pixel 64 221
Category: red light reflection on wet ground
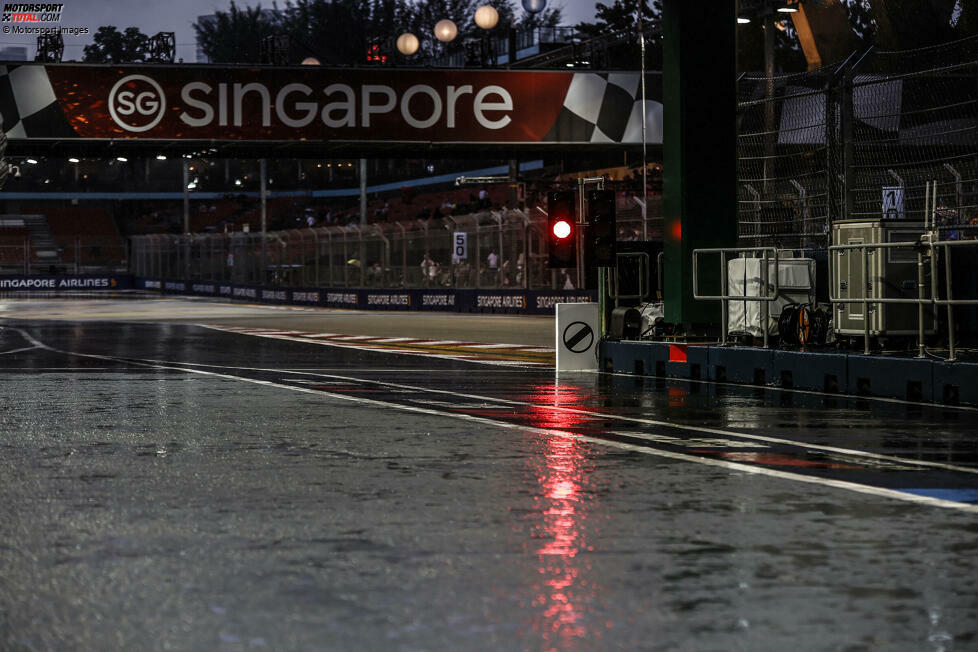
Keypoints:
pixel 562 595
pixel 557 395
pixel 547 396
pixel 677 396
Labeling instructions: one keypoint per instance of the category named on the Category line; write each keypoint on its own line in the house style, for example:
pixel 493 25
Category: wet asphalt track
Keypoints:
pixel 167 486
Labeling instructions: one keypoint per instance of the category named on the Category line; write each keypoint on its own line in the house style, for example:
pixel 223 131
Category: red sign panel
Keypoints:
pixel 299 104
pixel 378 106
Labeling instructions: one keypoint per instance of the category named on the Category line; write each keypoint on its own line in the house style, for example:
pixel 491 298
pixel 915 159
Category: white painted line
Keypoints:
pixel 734 466
pixel 652 422
pixel 26 348
pixel 606 416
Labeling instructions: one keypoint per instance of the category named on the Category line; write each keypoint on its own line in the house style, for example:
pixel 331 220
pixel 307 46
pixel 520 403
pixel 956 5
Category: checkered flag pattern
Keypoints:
pixel 28 106
pixel 606 108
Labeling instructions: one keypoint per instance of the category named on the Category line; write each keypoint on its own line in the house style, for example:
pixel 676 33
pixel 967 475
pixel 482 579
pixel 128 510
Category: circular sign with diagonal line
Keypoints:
pixel 578 337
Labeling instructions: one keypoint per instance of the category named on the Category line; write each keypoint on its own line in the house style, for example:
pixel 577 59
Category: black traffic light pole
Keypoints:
pixel 582 182
pixel 591 241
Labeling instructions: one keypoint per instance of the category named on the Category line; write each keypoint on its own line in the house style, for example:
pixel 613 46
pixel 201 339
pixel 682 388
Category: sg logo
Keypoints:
pixel 137 103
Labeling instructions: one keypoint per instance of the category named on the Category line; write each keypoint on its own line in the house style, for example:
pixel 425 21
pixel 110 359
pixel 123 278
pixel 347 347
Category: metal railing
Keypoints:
pixel 928 251
pixel 950 301
pixel 771 291
pixel 660 268
pixel 614 280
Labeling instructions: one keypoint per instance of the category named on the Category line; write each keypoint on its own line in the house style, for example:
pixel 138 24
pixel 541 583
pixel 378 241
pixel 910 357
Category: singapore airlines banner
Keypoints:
pixel 159 102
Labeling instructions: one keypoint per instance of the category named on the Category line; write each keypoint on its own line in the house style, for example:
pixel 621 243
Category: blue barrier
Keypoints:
pixel 534 302
pixel 65 283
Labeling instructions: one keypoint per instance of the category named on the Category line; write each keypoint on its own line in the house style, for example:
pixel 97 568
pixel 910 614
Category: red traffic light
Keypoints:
pixel 562 229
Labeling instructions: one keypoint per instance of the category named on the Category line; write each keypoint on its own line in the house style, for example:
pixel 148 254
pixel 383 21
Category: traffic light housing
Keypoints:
pixel 603 230
pixel 562 229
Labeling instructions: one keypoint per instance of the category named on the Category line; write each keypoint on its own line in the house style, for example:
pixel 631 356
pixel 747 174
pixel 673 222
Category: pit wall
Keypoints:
pixel 529 302
pixel 914 379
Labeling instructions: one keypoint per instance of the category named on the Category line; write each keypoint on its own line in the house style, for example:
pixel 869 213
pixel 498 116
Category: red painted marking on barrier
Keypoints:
pixel 677 353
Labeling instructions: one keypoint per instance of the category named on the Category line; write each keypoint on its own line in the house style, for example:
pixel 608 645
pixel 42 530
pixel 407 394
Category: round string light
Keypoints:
pixel 445 30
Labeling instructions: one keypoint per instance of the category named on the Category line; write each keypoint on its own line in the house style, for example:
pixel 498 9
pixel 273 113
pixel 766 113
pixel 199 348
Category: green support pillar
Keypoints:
pixel 700 150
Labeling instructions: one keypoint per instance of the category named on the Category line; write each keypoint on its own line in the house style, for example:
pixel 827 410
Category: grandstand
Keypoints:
pixel 56 238
pixel 15 247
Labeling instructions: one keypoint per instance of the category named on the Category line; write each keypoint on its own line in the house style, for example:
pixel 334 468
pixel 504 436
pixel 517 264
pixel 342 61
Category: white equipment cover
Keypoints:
pixel 796 284
pixel 650 312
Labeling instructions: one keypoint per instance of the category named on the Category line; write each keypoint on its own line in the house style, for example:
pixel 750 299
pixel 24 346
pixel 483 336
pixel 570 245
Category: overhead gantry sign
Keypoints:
pixel 264 105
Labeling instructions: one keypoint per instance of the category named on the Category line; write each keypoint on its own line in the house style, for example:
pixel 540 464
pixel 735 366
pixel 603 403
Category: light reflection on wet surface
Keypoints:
pixel 147 509
pixel 562 537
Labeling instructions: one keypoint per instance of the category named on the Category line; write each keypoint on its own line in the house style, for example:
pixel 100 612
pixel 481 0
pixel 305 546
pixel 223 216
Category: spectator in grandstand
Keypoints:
pixel 483 197
pixel 462 272
pixel 492 265
pixel 627 234
pixel 947 222
pixel 566 283
pixel 428 269
pixel 375 275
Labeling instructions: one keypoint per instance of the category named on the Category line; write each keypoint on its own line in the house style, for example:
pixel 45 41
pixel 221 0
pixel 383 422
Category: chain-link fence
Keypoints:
pixel 783 154
pixel 492 249
pixel 859 140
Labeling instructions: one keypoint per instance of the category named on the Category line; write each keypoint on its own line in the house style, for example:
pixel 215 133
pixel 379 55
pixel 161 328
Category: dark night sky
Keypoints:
pixel 178 16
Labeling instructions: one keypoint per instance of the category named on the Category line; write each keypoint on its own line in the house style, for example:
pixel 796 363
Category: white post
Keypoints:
pixel 263 173
pixel 363 192
pixel 641 38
